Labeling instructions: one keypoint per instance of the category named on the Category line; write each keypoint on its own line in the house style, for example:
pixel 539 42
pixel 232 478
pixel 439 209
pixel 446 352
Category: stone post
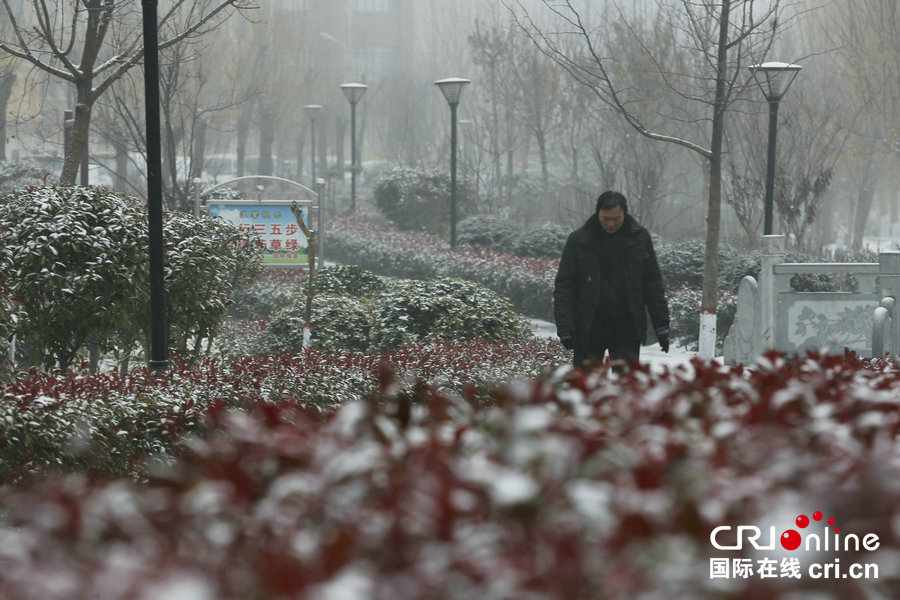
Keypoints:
pixel 889 280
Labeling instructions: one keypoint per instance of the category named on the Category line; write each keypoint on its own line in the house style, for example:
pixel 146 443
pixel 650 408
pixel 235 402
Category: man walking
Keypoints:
pixel 607 283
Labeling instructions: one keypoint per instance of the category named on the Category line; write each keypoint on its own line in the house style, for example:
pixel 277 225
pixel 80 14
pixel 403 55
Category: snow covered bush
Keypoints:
pixel 418 199
pixel 109 424
pixel 270 291
pixel 487 231
pixel 415 310
pixel 541 241
pixel 206 259
pixel 80 270
pixel 527 282
pixel 336 323
pixel 681 264
pixel 574 486
pixel 8 306
pixel 78 260
pixel 684 310
pixel 346 280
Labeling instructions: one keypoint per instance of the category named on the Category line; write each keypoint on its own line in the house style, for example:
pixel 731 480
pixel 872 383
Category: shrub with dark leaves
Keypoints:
pixel 546 240
pixel 573 487
pixel 418 199
pixel 684 309
pixel 346 280
pixel 336 323
pixel 487 231
pixel 415 310
pixel 271 290
pixel 109 424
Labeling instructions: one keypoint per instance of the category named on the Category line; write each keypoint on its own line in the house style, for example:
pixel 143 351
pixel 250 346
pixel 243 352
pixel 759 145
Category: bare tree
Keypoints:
pixel 866 35
pixel 714 41
pixel 92 43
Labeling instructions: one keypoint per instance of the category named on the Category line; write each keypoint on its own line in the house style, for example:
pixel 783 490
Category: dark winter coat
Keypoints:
pixel 577 291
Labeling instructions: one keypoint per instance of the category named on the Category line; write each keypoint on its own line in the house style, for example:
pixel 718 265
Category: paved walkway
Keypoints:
pixel 649 354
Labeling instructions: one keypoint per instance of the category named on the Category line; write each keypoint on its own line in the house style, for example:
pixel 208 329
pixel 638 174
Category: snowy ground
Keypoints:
pixel 649 354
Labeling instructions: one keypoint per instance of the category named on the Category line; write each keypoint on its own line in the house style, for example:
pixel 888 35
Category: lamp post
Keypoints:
pixel 452 88
pixel 312 111
pixel 774 78
pixel 158 360
pixel 353 92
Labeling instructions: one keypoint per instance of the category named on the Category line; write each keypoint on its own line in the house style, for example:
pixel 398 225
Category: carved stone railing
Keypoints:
pixel 771 315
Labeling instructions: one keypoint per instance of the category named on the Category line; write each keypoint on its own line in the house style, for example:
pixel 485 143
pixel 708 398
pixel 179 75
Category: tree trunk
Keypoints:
pixel 198 149
pixel 121 180
pixel 545 173
pixel 80 130
pixel 6 85
pixel 861 215
pixel 710 298
pixel 266 142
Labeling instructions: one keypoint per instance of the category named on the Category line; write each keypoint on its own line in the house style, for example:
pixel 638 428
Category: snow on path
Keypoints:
pixel 652 355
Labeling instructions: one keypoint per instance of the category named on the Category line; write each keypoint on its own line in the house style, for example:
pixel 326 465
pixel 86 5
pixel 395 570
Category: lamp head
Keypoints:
pixel 353 91
pixel 313 110
pixel 774 78
pixel 452 88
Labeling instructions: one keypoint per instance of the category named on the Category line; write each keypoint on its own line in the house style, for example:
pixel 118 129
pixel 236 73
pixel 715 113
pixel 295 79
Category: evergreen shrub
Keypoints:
pixel 684 312
pixel 346 280
pixel 418 199
pixel 80 270
pixel 546 240
pixel 487 231
pixel 337 323
pixel 416 310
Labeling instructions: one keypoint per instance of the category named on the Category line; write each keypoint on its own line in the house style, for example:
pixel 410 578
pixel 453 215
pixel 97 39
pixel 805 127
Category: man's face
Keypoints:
pixel 611 220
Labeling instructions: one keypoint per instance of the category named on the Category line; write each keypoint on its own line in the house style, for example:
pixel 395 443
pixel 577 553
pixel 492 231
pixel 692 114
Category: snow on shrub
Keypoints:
pixel 527 282
pixel 487 231
pixel 109 423
pixel 205 260
pixel 78 255
pixel 418 199
pixel 273 289
pixel 684 309
pixel 79 267
pixel 336 323
pixel 415 310
pixel 346 280
pixel 577 485
pixel 546 240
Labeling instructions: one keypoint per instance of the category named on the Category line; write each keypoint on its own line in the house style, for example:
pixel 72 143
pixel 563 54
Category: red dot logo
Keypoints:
pixel 790 540
pixel 817 516
pixel 802 521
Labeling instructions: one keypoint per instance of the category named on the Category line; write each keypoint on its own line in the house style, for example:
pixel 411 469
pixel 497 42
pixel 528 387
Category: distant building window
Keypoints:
pixel 377 62
pixel 375 5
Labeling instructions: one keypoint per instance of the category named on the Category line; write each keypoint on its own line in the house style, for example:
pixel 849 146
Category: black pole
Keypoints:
pixel 353 157
pixel 453 106
pixel 770 168
pixel 313 154
pixel 158 356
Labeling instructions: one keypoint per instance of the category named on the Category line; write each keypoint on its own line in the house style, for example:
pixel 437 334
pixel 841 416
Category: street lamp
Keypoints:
pixel 312 111
pixel 353 92
pixel 452 88
pixel 158 360
pixel 774 78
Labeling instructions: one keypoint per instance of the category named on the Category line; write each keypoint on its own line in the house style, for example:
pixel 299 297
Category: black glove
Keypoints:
pixel 567 341
pixel 663 342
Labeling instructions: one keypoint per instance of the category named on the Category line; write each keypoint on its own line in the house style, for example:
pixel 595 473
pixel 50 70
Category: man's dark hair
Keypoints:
pixel 610 199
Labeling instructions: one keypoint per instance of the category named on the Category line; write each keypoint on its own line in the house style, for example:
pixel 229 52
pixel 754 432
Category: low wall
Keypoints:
pixel 770 315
